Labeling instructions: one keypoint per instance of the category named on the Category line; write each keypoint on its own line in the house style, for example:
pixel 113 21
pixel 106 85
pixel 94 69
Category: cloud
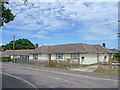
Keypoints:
pixel 25 34
pixel 55 16
pixel 42 32
pixel 89 20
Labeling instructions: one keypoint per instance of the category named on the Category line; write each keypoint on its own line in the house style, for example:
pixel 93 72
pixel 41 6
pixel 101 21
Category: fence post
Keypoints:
pixel 99 65
pixel 110 63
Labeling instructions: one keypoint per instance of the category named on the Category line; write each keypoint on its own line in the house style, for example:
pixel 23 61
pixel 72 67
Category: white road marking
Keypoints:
pixel 57 78
pixel 66 80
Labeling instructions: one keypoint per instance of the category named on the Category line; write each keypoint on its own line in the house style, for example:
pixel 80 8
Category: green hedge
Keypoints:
pixel 5 59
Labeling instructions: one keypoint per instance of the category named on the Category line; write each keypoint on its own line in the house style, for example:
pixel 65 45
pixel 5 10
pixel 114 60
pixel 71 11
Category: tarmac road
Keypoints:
pixel 43 77
pixel 11 82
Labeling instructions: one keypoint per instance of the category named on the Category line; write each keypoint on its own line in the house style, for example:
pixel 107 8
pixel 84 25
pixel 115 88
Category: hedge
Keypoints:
pixel 5 59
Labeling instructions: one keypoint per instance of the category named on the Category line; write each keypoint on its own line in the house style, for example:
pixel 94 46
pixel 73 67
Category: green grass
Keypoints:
pixel 0 59
pixel 107 71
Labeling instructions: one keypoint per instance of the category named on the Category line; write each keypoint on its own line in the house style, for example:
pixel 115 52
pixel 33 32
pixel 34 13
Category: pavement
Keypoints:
pixel 44 77
pixel 86 69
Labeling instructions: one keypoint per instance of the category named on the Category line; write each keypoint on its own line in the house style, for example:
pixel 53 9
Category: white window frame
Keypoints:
pixel 75 55
pixel 59 55
pixel 35 56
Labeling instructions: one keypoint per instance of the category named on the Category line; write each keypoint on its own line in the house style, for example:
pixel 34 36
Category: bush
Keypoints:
pixel 83 65
pixel 5 59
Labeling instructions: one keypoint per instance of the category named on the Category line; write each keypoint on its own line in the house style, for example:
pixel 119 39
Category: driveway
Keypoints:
pixel 43 77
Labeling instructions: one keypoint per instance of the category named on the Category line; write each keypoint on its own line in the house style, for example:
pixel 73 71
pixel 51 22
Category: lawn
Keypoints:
pixel 107 71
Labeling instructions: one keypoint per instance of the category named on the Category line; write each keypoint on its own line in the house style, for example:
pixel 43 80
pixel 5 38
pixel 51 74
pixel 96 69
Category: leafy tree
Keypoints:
pixel 118 34
pixel 118 55
pixel 7 16
pixel 19 44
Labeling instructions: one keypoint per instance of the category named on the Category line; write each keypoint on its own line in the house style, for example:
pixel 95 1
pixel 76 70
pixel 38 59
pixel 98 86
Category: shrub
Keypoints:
pixel 68 59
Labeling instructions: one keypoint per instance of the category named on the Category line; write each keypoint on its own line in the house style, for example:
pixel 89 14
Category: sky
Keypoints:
pixel 51 23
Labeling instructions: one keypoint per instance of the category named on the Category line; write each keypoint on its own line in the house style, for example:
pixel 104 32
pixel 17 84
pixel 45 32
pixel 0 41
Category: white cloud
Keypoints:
pixel 25 34
pixel 66 0
pixel 1 44
pixel 97 20
pixel 42 32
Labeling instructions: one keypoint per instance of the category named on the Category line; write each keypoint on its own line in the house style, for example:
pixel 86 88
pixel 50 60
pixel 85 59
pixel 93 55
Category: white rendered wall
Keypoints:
pixel 30 56
pixel 65 56
pixel 53 56
pixel 43 57
pixel 101 57
pixel 88 58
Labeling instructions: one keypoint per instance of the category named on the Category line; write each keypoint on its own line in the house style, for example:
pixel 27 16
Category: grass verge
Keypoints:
pixel 107 71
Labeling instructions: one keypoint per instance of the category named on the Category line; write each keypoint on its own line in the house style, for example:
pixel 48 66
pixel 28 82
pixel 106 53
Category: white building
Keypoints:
pixel 23 54
pixel 82 53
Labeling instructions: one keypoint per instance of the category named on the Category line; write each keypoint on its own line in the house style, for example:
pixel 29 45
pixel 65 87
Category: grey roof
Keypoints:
pixel 17 52
pixel 72 48
pixel 114 50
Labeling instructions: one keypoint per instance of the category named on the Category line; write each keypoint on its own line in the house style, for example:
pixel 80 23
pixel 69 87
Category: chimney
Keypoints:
pixel 103 44
pixel 36 45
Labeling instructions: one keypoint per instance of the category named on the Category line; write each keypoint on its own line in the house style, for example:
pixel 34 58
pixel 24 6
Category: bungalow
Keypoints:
pixel 82 53
pixel 114 50
pixel 23 54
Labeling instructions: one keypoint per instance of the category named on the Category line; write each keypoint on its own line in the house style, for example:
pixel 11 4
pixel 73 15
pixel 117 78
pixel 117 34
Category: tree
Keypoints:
pixel 19 44
pixel 118 55
pixel 118 34
pixel 6 15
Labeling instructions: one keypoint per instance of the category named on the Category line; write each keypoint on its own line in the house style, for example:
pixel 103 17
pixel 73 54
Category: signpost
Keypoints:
pixel 13 48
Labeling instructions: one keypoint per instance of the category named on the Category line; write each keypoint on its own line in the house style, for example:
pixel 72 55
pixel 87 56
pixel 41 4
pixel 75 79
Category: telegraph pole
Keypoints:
pixel 13 48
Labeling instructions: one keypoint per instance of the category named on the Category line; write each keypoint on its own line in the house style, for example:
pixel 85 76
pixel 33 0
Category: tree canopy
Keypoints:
pixel 118 34
pixel 19 44
pixel 118 55
pixel 7 16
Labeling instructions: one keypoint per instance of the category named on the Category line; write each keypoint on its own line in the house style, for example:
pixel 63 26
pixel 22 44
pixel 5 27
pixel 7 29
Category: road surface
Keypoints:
pixel 43 77
pixel 11 82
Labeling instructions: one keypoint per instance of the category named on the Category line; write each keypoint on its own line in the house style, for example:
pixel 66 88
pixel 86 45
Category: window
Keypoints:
pixel 82 58
pixel 26 57
pixel 105 57
pixel 59 55
pixel 21 57
pixel 35 56
pixel 75 55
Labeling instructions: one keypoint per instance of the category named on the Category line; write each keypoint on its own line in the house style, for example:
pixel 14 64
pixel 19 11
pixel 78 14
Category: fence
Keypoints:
pixel 62 64
pixel 111 64
pixel 66 64
pixel 53 63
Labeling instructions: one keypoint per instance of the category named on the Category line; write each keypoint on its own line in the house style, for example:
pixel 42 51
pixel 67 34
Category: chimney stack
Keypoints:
pixel 36 45
pixel 103 44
